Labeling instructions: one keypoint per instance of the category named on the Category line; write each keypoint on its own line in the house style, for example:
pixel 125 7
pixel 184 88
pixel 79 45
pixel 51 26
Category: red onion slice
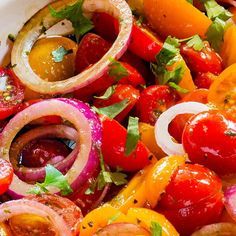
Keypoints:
pixel 163 138
pixel 32 30
pixel 230 201
pixel 36 174
pixel 85 122
pixel 24 206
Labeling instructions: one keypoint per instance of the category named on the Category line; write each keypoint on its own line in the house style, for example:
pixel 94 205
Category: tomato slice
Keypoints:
pixel 11 93
pixel 6 175
pixel 222 92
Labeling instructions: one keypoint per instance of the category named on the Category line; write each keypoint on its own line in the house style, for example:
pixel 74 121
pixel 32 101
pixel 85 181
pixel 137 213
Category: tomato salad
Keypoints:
pixel 122 121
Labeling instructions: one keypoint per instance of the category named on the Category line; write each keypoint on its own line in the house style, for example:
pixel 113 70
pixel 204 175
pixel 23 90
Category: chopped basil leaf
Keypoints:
pixel 12 37
pixel 132 135
pixel 140 20
pixel 230 132
pixel 108 93
pixel 116 70
pixel 177 87
pixel 156 229
pixel 74 14
pixel 113 110
pixel 114 218
pixel 58 54
pixel 53 178
pixel 196 43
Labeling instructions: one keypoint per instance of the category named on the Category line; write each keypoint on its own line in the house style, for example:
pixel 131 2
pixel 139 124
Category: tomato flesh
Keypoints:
pixel 6 175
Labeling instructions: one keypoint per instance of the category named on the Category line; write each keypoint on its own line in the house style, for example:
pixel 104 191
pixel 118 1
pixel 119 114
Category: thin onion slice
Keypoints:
pixel 163 138
pixel 32 30
pixel 24 206
pixel 85 122
pixel 230 201
pixel 36 174
pixel 219 229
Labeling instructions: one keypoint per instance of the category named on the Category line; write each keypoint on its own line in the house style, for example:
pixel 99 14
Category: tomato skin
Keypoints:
pixel 154 100
pixel 6 175
pixel 193 195
pixel 206 141
pixel 113 148
pixel 204 80
pixel 15 91
pixel 122 91
pixel 39 152
pixel 206 60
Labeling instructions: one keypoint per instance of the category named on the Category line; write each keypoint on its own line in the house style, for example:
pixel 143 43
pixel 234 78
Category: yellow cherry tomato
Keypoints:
pixel 159 177
pixel 145 218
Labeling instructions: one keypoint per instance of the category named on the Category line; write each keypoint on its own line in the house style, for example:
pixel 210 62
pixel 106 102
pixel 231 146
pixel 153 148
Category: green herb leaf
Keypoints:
pixel 196 43
pixel 156 229
pixel 190 1
pixel 12 37
pixel 132 135
pixel 58 54
pixel 116 70
pixel 74 14
pixel 140 20
pixel 113 218
pixel 178 88
pixel 108 93
pixel 53 178
pixel 230 133
pixel 113 110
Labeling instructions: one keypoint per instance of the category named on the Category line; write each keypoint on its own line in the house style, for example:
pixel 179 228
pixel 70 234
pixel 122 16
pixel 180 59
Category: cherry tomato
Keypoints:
pixel 6 175
pixel 122 92
pixel 113 148
pixel 177 125
pixel 153 101
pixel 204 80
pixel 91 49
pixel 39 152
pixel 209 138
pixel 206 60
pixel 11 93
pixel 192 199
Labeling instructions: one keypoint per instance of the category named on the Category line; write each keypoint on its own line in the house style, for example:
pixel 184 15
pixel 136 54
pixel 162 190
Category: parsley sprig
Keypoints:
pixel 74 14
pixel 53 178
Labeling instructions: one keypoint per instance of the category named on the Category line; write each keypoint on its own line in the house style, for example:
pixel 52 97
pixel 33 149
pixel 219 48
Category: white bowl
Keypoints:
pixel 13 15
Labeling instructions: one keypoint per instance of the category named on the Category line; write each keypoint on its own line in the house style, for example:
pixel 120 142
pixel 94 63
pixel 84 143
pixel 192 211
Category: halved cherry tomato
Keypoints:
pixel 209 138
pixel 121 92
pixel 192 199
pixel 113 148
pixel 40 152
pixel 204 80
pixel 153 101
pixel 11 93
pixel 176 127
pixel 222 92
pixel 206 60
pixel 6 175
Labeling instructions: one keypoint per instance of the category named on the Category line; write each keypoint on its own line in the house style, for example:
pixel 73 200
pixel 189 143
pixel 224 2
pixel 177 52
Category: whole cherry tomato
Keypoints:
pixel 121 92
pixel 6 175
pixel 192 199
pixel 39 152
pixel 11 93
pixel 209 138
pixel 113 148
pixel 153 101
pixel 206 60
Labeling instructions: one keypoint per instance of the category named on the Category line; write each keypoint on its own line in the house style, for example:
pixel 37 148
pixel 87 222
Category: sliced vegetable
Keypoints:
pixel 6 175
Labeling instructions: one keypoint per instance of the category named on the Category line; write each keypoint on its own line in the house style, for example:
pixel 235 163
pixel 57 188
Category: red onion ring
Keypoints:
pixel 230 201
pixel 36 174
pixel 85 121
pixel 163 138
pixel 32 30
pixel 24 206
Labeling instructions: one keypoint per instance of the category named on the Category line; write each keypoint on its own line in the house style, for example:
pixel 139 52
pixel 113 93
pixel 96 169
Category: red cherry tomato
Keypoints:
pixel 91 49
pixel 113 148
pixel 39 152
pixel 206 60
pixel 153 101
pixel 177 125
pixel 209 138
pixel 204 80
pixel 122 91
pixel 192 199
pixel 143 42
pixel 6 175
pixel 11 93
